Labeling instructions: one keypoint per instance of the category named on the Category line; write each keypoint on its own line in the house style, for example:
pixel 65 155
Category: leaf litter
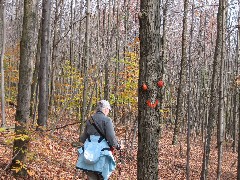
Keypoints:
pixel 51 156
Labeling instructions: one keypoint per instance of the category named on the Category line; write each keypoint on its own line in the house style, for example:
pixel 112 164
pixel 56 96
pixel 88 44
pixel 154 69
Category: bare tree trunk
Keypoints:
pixel 164 51
pixel 189 98
pixel 182 82
pixel 44 65
pixel 220 123
pixel 24 87
pixel 235 111
pixel 164 36
pixel 55 54
pixel 221 97
pixel 107 80
pixel 34 86
pixel 85 65
pixel 238 167
pixel 2 51
pixel 18 20
pixel 71 44
pixel 148 101
pixel 106 65
pixel 236 90
pixel 117 65
pixel 214 91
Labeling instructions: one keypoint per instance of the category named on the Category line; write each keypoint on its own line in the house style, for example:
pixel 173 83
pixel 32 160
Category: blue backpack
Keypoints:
pixel 92 151
pixel 95 156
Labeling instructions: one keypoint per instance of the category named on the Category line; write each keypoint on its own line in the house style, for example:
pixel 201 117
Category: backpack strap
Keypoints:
pixel 93 123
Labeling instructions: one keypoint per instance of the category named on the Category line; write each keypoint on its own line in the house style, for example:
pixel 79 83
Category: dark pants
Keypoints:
pixel 93 176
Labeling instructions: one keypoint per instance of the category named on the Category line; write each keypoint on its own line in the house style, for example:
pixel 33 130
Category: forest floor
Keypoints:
pixel 52 157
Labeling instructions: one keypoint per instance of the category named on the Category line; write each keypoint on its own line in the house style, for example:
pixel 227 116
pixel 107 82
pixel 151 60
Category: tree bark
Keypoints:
pixel 117 67
pixel 55 54
pixel 238 167
pixel 24 87
pixel 107 62
pixel 214 91
pixel 189 116
pixel 2 51
pixel 43 77
pixel 182 82
pixel 85 66
pixel 221 96
pixel 148 115
pixel 34 86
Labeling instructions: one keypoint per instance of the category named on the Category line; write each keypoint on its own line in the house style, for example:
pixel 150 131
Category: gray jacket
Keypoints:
pixel 104 124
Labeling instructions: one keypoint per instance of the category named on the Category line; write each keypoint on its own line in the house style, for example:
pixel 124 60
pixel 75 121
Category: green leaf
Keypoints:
pixel 2 129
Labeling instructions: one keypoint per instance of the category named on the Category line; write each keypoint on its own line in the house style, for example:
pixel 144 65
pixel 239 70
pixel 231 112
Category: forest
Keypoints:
pixel 170 70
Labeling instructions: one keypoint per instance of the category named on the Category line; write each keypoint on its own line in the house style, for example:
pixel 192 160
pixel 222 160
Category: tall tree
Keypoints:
pixel 116 79
pixel 221 96
pixel 2 49
pixel 238 80
pixel 189 116
pixel 85 63
pixel 214 91
pixel 183 70
pixel 235 95
pixel 106 45
pixel 55 54
pixel 44 63
pixel 24 87
pixel 34 86
pixel 148 100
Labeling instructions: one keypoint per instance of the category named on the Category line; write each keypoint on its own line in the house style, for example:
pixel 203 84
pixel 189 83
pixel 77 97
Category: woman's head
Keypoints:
pixel 103 106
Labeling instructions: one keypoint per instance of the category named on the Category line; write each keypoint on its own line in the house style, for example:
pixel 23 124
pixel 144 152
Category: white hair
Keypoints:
pixel 102 105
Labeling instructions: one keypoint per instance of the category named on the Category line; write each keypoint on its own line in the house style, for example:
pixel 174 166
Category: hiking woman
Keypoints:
pixel 95 157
